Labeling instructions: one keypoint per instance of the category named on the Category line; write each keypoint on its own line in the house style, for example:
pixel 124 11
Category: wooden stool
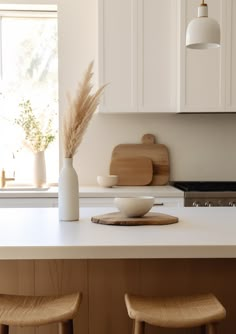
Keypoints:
pixel 175 312
pixel 37 311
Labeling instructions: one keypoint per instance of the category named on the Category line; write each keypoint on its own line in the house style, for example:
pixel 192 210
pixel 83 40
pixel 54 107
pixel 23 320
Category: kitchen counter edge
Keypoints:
pixel 99 192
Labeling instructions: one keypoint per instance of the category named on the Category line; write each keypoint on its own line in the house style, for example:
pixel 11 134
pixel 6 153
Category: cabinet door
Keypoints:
pixel 168 202
pixel 202 72
pixel 157 55
pixel 137 55
pixel 231 56
pixel 118 54
pixel 109 202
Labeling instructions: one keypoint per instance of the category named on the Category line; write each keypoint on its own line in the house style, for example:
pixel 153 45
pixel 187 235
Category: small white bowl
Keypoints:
pixel 132 207
pixel 107 180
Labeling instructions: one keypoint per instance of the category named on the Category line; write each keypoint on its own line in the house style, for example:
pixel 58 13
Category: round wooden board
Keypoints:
pixel 151 218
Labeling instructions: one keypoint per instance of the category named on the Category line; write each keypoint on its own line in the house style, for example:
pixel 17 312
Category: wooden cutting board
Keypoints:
pixel 151 218
pixel 158 153
pixel 132 171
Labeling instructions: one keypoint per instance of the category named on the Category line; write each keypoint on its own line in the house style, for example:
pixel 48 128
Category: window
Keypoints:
pixel 28 72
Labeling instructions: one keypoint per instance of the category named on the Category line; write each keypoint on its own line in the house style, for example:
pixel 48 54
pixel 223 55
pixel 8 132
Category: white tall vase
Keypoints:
pixel 39 170
pixel 68 196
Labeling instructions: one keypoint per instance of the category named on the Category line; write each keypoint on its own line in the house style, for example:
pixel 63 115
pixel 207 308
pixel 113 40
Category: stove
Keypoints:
pixel 201 193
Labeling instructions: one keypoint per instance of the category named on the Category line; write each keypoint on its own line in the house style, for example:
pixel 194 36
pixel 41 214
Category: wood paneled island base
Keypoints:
pixel 104 283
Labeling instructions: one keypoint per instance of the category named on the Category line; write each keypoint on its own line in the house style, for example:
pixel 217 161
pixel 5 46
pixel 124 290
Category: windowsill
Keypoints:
pixel 26 192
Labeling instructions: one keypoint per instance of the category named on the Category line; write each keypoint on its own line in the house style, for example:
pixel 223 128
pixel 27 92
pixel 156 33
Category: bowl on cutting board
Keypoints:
pixel 134 207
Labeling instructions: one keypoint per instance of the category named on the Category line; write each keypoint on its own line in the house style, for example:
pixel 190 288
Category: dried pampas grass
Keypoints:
pixel 79 113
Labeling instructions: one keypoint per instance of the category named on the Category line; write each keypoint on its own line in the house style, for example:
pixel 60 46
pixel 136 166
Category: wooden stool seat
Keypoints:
pixel 38 310
pixel 175 312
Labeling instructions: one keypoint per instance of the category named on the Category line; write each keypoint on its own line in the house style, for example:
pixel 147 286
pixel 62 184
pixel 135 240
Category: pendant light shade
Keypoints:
pixel 203 32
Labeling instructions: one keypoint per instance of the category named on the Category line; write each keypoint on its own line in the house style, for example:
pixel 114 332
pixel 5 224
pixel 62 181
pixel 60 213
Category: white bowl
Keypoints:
pixel 134 206
pixel 107 180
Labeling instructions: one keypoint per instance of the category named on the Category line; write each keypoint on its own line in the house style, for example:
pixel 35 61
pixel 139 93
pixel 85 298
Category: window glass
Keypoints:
pixel 29 72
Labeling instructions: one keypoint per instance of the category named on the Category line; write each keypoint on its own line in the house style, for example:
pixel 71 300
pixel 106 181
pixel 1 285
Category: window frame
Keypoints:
pixel 28 11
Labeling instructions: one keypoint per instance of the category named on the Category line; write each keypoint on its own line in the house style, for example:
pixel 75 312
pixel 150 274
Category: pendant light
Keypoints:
pixel 203 32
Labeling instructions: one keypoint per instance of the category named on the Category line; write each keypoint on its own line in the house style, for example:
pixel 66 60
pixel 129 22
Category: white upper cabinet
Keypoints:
pixel 143 58
pixel 207 78
pixel 156 56
pixel 117 54
pixel 137 55
pixel 202 72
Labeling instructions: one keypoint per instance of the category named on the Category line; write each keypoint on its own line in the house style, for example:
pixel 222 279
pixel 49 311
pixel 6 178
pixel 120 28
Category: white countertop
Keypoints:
pixel 96 191
pixel 122 191
pixel 36 233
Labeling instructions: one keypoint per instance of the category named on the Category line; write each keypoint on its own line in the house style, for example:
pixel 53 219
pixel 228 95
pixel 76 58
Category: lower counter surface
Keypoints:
pixel 37 233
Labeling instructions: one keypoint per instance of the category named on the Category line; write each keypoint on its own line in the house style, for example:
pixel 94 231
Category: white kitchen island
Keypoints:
pixel 37 233
pixel 41 255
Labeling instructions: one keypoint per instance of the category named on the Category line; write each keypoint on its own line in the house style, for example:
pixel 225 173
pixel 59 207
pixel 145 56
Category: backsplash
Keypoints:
pixel 201 147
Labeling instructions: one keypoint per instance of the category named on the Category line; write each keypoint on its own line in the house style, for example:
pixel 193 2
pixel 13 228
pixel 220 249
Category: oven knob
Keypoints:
pixel 195 203
pixel 208 203
pixel 232 204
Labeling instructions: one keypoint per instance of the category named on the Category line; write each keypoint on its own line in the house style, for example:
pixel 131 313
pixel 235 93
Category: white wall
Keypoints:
pixel 202 147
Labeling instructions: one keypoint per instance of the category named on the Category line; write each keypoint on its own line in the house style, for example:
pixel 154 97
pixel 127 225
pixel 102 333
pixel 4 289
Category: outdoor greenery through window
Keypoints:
pixel 28 89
